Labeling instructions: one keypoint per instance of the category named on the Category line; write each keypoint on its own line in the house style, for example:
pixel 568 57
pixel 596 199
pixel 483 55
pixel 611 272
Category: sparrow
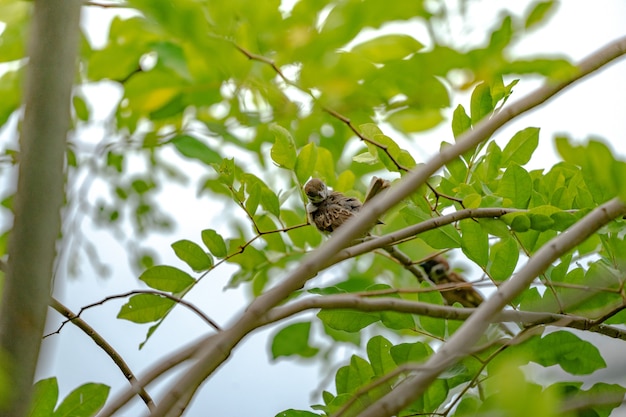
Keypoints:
pixel 328 209
pixel 438 270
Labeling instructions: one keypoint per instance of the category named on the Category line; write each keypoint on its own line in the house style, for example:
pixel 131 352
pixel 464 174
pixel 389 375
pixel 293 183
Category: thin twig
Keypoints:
pixel 108 349
pixel 177 300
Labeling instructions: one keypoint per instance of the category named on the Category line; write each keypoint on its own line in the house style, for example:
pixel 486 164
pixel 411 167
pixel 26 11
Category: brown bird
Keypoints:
pixel 330 209
pixel 438 270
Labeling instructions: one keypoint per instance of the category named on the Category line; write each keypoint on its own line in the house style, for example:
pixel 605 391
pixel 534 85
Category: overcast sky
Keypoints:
pixel 247 384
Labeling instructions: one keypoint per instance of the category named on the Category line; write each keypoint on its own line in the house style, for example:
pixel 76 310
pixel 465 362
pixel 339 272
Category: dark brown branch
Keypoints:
pixel 108 349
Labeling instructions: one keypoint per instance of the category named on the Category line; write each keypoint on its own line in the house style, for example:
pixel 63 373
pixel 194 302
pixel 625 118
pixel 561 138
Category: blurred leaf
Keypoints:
pixel 192 254
pixel 167 278
pixel 45 396
pixel 193 148
pixel 539 13
pixel 574 355
pixel 305 162
pixel 388 47
pixel 413 120
pixel 80 107
pixel 284 149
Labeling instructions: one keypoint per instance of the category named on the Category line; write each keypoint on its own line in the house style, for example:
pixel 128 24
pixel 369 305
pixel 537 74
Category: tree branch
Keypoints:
pixel 108 349
pixel 364 302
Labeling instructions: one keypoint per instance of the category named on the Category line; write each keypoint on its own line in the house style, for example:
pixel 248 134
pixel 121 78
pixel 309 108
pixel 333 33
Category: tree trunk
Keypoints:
pixel 49 77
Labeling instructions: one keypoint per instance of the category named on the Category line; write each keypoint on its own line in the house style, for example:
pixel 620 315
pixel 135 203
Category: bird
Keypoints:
pixel 438 270
pixel 328 210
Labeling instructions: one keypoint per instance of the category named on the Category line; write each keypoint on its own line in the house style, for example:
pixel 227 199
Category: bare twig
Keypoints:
pixel 108 349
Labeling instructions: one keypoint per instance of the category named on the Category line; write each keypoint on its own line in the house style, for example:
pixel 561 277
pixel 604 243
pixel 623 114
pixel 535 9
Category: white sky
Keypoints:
pixel 248 385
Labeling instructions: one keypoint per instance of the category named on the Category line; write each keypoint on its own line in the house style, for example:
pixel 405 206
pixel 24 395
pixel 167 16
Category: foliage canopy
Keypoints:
pixel 263 98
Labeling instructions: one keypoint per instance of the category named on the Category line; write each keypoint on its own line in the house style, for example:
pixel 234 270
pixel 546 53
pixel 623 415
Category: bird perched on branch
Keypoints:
pixel 438 270
pixel 328 209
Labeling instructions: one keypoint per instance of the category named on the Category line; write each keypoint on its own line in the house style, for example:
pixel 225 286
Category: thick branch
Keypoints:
pixel 39 196
pixel 213 354
pixel 108 349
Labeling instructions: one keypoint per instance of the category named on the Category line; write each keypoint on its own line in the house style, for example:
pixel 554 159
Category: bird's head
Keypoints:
pixel 316 190
pixel 436 268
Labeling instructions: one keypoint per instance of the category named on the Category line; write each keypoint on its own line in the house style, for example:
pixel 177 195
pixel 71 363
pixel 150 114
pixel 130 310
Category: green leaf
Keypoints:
pixel 167 278
pixel 516 186
pixel 192 254
pixel 214 242
pixel 84 401
pixel 305 162
pixel 193 148
pixel 269 201
pixel 444 237
pixel 80 107
pixel 519 222
pixel 521 147
pixel 366 158
pixel 413 120
pixel 410 352
pixel 293 340
pixel 475 242
pixel 254 198
pixel 145 308
pixel 347 320
pixel 324 165
pixel 433 325
pixel 379 354
pixel 296 413
pixel 388 47
pixel 350 378
pixel 481 103
pixel 574 355
pixel 503 258
pixel 461 122
pixel 45 396
pixel 539 13
pixel 284 150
